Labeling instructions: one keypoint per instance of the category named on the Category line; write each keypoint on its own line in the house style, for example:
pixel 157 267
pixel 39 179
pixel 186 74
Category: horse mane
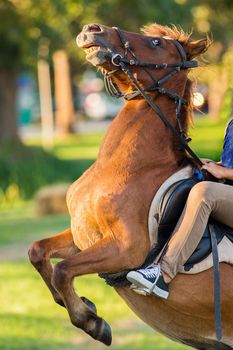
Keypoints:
pixel 187 111
pixel 174 32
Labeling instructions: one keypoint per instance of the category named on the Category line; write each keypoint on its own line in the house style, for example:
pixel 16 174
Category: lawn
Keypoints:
pixel 207 138
pixel 30 320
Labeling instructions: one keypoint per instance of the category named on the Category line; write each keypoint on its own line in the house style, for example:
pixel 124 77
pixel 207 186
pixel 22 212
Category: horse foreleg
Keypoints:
pixel 107 255
pixel 59 246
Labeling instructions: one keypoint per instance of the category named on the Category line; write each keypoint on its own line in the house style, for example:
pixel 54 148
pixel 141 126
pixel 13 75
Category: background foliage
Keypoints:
pixel 25 23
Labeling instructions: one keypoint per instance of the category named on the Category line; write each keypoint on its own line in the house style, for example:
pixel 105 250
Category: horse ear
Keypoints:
pixel 197 47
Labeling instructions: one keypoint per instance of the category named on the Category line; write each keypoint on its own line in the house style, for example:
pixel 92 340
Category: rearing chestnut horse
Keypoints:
pixel 109 204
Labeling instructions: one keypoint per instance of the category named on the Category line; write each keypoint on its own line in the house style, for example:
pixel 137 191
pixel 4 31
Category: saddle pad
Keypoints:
pixel 225 252
pixel 153 217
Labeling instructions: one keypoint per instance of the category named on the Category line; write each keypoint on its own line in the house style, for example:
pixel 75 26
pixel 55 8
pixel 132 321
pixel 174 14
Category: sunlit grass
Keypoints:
pixel 79 146
pixel 80 153
pixel 207 138
pixel 22 225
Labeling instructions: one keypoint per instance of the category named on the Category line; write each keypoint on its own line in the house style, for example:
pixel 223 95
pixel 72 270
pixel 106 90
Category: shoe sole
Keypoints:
pixel 141 282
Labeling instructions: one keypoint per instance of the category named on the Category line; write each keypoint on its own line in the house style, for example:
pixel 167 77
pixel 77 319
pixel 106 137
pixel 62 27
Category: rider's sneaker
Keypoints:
pixel 150 278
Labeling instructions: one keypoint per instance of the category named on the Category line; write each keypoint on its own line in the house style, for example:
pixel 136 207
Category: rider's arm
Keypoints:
pixel 228 174
pixel 218 171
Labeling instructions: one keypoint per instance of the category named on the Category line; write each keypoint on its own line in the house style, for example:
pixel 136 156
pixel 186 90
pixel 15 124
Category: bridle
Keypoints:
pixel 122 63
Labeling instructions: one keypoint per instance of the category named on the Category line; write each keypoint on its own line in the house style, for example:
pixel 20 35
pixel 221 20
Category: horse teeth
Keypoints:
pixel 91 49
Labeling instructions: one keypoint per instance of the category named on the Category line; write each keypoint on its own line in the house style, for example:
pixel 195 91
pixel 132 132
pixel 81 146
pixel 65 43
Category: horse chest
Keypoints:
pixel 92 205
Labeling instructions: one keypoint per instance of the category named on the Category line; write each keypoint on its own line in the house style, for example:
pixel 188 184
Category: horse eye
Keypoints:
pixel 155 42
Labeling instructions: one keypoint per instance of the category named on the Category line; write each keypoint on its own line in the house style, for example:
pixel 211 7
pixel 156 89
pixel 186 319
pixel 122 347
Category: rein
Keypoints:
pixel 122 63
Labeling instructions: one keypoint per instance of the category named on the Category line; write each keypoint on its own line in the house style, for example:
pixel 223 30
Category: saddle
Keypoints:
pixel 171 206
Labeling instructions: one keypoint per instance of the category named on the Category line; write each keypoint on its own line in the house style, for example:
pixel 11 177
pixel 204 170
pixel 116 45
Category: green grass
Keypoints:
pixel 207 138
pixel 80 146
pixel 84 146
pixel 22 225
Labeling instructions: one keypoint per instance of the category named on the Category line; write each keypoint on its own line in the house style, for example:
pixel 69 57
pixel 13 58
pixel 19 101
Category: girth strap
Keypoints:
pixel 217 295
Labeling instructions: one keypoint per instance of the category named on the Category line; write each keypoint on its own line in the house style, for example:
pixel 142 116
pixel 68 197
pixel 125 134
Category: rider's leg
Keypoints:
pixel 205 199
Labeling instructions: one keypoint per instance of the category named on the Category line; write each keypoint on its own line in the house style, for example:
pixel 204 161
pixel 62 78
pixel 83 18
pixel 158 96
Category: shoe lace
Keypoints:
pixel 152 272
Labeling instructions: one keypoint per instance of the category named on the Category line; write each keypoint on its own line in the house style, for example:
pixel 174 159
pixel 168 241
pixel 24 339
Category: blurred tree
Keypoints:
pixel 23 24
pixel 10 35
pixel 216 17
pixel 63 94
pixel 219 79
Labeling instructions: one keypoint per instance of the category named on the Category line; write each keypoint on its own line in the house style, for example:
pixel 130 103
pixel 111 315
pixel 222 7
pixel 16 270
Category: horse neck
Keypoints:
pixel 137 139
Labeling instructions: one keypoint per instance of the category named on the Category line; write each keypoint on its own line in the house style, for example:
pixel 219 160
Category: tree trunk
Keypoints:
pixel 63 93
pixel 8 115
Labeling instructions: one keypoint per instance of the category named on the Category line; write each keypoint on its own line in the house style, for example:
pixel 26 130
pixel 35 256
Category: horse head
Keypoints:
pixel 156 49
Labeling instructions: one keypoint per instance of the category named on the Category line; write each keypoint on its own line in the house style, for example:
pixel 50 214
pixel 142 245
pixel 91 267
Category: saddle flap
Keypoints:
pixel 172 205
pixel 204 248
pixel 170 210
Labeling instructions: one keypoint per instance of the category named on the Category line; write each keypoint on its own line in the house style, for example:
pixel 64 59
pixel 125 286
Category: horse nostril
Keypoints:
pixel 94 28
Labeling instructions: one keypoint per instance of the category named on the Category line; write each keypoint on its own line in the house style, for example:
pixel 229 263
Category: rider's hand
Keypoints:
pixel 216 170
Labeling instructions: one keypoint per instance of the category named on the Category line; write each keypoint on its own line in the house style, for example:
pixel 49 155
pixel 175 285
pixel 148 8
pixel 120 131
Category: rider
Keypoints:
pixel 205 199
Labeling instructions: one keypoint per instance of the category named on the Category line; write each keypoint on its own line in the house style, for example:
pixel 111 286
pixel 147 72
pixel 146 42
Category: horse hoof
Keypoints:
pixel 105 335
pixel 90 304
pixel 100 330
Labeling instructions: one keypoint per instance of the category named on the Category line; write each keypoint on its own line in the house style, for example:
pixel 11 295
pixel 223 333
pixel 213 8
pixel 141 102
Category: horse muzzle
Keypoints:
pixel 92 40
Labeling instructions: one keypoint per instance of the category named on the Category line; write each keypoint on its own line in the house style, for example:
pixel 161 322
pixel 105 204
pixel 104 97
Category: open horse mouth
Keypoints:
pixel 93 50
pixel 92 40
